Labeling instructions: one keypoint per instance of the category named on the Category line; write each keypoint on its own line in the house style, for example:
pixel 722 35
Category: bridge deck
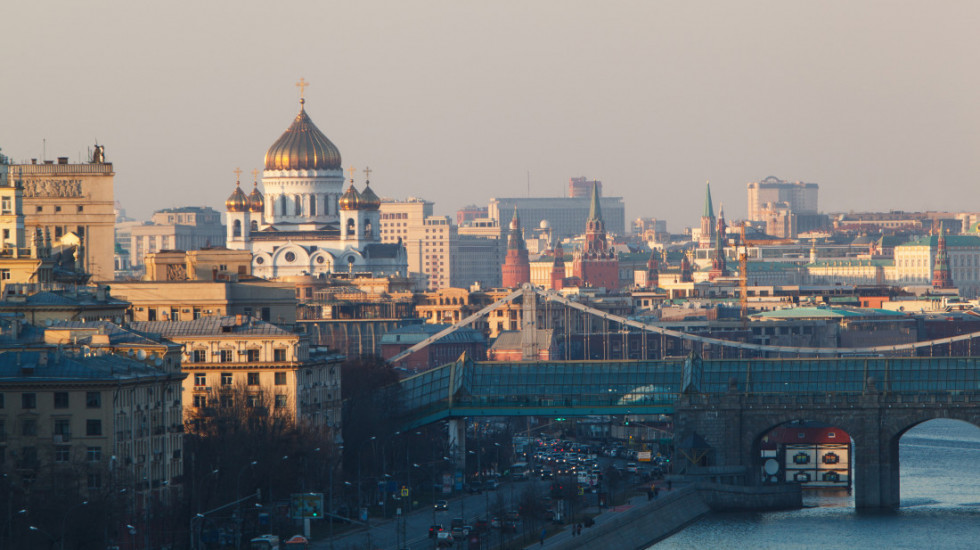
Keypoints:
pixel 581 388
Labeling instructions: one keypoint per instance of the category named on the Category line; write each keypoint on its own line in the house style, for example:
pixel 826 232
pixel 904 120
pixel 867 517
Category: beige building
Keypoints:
pixel 212 264
pixel 405 221
pixel 72 199
pixel 225 355
pixel 914 262
pixel 187 300
pixel 103 421
pixel 45 303
pixel 186 228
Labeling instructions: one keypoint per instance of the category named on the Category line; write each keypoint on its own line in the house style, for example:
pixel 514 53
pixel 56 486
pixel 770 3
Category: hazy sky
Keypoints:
pixel 458 101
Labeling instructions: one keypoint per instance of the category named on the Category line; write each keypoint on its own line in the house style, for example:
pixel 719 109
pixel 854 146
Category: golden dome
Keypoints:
pixel 256 203
pixel 369 201
pixel 302 147
pixel 237 202
pixel 351 199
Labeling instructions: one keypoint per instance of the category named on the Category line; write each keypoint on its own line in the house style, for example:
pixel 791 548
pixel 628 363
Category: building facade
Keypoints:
pixel 799 197
pixel 186 228
pixel 566 216
pixel 73 199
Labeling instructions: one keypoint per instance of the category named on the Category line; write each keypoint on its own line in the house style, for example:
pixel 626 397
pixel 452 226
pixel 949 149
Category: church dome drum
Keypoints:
pixel 303 147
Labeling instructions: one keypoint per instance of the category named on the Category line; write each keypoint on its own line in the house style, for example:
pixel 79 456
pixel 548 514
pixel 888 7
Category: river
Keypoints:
pixel 940 469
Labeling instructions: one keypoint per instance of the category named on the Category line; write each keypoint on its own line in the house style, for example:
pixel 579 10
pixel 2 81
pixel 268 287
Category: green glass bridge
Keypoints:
pixel 468 388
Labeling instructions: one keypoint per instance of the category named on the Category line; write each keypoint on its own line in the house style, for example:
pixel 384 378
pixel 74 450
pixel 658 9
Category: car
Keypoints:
pixel 434 530
pixel 491 484
pixel 495 522
pixel 441 505
pixel 444 539
pixel 474 487
pixel 456 523
pixel 481 526
pixel 631 467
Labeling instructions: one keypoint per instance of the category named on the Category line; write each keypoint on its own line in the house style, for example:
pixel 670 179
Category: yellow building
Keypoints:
pixel 186 300
pixel 73 199
pixel 227 356
pixel 90 420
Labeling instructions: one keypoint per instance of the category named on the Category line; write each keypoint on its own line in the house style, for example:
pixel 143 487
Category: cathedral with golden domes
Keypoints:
pixel 305 223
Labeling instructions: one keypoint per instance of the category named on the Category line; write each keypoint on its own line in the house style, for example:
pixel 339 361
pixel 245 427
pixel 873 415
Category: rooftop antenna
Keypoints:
pixel 528 183
pixel 44 150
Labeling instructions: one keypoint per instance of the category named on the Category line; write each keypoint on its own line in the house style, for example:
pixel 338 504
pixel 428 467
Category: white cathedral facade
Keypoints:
pixel 305 223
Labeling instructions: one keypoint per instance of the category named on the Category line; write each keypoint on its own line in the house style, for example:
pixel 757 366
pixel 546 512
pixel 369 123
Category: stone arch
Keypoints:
pixel 351 227
pixel 367 228
pixel 757 428
pixel 236 228
pixel 298 205
pixel 254 226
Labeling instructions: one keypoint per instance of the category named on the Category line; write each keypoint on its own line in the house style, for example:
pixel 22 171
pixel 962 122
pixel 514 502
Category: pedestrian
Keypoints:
pixel 580 529
pixel 543 533
pixel 669 483
pixel 656 491
pixel 574 529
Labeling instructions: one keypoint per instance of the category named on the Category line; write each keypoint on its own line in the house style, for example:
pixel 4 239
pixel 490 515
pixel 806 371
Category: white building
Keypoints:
pixel 305 223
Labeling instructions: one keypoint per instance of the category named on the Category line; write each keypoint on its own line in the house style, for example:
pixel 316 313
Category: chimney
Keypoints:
pixel 62 160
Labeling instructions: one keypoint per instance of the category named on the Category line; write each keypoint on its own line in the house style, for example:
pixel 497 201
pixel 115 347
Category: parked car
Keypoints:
pixel 474 487
pixel 441 505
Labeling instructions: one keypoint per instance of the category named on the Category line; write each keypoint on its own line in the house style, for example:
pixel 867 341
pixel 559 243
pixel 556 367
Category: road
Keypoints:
pixel 386 533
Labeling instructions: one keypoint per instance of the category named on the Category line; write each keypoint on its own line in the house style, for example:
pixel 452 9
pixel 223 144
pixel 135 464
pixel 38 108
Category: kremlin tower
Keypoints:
pixel 516 269
pixel 707 220
pixel 718 267
pixel 596 265
pixel 941 277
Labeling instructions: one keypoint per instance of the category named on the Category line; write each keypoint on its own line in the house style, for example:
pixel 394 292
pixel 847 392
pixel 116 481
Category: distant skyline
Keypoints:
pixel 458 102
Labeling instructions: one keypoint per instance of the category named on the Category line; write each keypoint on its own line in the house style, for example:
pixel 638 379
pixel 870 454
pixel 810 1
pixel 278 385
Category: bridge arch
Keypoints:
pixel 897 427
pixel 756 431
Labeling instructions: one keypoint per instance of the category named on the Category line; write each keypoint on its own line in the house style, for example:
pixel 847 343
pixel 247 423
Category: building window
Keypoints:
pixel 280 379
pixel 1 400
pixel 93 427
pixel 227 356
pixel 62 453
pixel 200 400
pixel 253 379
pixel 28 427
pixel 94 481
pixel 62 427
pixel 7 208
pixel 226 378
pixel 93 400
pixel 280 401
pixel 279 354
pixel 93 454
pixel 61 400
pixel 227 401
pixel 252 355
pixel 28 400
pixel 199 356
pixel 200 379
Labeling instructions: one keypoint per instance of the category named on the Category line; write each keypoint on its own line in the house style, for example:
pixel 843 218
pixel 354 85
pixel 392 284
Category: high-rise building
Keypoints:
pixel 73 202
pixel 185 228
pixel 582 187
pixel 566 216
pixel 438 252
pixel 405 221
pixel 800 198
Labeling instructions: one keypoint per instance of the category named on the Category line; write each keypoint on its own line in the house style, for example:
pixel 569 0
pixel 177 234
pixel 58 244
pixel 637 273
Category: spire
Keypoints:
pixel 709 210
pixel 595 211
pixel 516 239
pixel 941 277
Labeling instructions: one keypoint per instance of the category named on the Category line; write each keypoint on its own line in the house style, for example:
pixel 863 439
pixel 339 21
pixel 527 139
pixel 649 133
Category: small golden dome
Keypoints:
pixel 256 203
pixel 302 147
pixel 369 201
pixel 237 202
pixel 351 199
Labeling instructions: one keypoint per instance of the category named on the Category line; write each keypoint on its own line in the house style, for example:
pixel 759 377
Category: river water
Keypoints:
pixel 940 469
